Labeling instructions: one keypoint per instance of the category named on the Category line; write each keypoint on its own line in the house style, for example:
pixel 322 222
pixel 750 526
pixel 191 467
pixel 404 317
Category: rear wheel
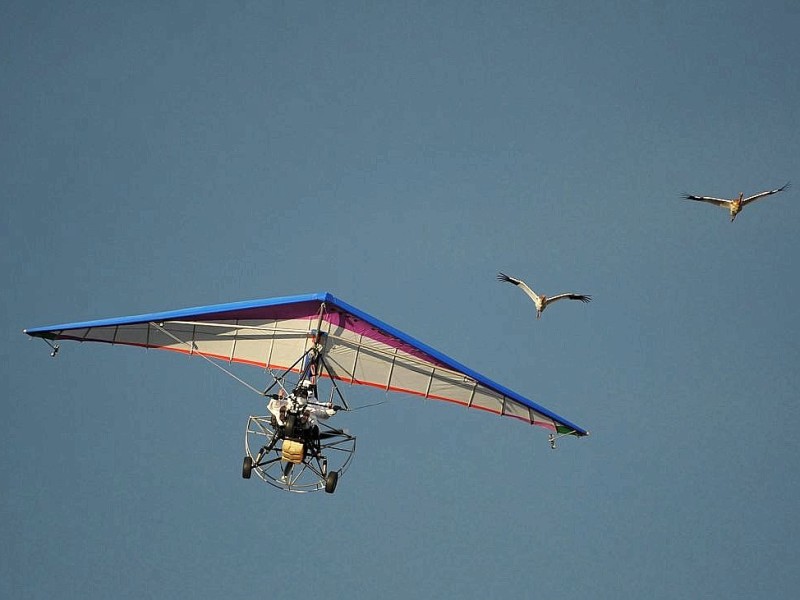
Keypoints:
pixel 247 467
pixel 330 481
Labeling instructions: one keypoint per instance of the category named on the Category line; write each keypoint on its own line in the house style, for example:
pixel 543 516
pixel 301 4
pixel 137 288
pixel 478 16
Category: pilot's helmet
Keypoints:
pixel 308 388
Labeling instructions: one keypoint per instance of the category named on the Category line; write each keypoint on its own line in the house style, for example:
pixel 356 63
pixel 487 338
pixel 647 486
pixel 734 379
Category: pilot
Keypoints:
pixel 303 403
pixel 277 407
pixel 313 410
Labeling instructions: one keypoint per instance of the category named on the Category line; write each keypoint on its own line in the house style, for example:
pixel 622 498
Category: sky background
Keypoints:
pixel 398 155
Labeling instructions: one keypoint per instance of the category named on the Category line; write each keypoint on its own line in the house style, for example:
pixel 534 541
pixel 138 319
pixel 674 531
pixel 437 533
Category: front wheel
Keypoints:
pixel 247 467
pixel 330 481
pixel 289 424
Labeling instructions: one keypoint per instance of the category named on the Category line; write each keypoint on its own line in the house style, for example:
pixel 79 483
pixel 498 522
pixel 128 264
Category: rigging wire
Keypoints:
pixel 196 351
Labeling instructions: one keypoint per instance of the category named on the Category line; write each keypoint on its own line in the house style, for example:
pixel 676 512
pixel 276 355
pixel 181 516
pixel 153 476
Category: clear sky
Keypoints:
pixel 159 156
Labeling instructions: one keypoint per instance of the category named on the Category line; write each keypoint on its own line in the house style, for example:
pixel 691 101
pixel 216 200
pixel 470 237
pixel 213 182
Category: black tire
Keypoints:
pixel 247 467
pixel 330 481
pixel 289 425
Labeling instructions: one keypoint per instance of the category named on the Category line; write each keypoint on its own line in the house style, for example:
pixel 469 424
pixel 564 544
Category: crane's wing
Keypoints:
pixel 358 349
pixel 570 296
pixel 760 195
pixel 709 199
pixel 520 284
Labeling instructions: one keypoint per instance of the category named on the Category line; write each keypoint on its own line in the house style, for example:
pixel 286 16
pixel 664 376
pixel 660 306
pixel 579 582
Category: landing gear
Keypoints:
pixel 328 453
pixel 247 467
pixel 330 481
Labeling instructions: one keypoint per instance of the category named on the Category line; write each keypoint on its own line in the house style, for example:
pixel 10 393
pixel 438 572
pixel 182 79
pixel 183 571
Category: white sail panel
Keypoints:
pixel 275 333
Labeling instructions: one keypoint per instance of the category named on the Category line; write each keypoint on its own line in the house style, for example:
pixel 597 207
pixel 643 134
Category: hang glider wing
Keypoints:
pixel 358 349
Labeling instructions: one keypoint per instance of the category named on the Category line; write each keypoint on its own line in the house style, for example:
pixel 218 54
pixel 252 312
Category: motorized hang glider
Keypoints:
pixel 302 341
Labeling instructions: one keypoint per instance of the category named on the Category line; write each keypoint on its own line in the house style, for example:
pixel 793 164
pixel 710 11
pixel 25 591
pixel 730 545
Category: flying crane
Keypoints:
pixel 541 301
pixel 735 205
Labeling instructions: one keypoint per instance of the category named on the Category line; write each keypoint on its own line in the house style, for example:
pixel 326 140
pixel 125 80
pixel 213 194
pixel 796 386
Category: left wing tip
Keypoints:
pixel 506 278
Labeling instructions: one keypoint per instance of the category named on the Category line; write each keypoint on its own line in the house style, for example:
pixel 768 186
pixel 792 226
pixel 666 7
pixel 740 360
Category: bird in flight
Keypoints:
pixel 541 302
pixel 735 205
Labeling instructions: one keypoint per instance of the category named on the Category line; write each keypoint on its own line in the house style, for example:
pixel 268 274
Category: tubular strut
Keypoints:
pixel 195 350
pixel 53 347
pixel 303 356
pixel 333 382
pixel 554 437
pixel 318 357
pixel 278 379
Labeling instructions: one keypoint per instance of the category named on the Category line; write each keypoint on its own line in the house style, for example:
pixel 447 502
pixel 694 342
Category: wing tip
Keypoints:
pixel 505 278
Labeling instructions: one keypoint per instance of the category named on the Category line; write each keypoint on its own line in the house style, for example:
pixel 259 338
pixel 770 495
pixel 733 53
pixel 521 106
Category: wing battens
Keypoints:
pixel 233 342
pixel 271 345
pixel 472 394
pixel 430 382
pixel 355 361
pixel 391 370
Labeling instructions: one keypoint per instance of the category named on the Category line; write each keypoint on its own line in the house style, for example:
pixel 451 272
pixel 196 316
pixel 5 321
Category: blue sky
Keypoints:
pixel 398 156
